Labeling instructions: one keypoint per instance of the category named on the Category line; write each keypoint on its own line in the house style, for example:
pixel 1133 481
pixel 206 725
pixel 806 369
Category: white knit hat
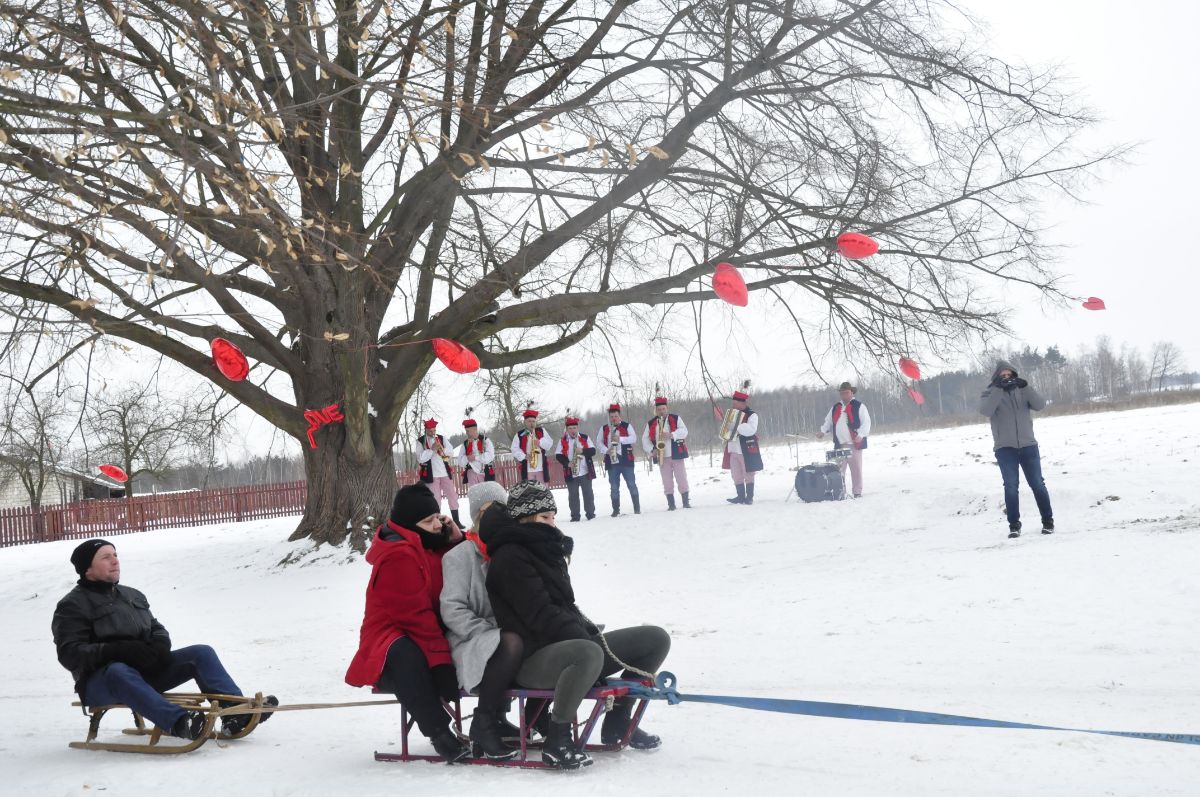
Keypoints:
pixel 480 494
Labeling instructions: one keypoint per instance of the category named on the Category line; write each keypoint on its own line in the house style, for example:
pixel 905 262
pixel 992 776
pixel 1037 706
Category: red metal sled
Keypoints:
pixel 602 698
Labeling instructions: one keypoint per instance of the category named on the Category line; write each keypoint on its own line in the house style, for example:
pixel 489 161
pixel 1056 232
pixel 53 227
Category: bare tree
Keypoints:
pixel 1166 361
pixel 331 184
pixel 147 433
pixel 32 426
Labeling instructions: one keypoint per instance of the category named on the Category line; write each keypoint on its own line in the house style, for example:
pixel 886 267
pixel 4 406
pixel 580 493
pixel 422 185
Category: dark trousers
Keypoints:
pixel 1012 461
pixel 119 683
pixel 574 488
pixel 614 484
pixel 407 675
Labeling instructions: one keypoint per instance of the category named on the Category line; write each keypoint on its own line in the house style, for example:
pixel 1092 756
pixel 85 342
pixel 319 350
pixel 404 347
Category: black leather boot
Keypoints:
pixel 450 747
pixel 686 503
pixel 741 495
pixel 750 493
pixel 637 504
pixel 454 514
pixel 486 741
pixel 616 725
pixel 559 750
pixel 671 502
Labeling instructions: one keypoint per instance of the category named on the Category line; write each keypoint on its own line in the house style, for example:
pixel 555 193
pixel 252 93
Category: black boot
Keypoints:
pixel 486 741
pixel 450 747
pixel 671 502
pixel 236 723
pixel 616 725
pixel 1047 526
pixel 189 726
pixel 741 495
pixel 750 493
pixel 616 508
pixel 454 514
pixel 1014 530
pixel 686 503
pixel 560 751
pixel 637 504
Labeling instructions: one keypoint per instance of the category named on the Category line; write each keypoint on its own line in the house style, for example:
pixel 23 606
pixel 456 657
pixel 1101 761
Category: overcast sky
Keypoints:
pixel 1135 66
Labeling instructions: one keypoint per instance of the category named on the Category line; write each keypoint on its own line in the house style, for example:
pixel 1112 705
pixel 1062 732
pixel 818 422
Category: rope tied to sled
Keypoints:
pixel 664 688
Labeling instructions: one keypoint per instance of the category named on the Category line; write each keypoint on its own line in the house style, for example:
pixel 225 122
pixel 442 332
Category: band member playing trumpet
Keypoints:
pixel 575 452
pixel 475 455
pixel 617 439
pixel 530 447
pixel 434 468
pixel 665 442
pixel 742 456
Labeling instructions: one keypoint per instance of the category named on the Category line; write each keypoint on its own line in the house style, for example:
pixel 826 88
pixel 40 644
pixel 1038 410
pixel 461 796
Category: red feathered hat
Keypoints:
pixel 660 401
pixel 614 407
pixel 740 396
pixel 469 423
pixel 572 421
pixel 529 413
pixel 431 423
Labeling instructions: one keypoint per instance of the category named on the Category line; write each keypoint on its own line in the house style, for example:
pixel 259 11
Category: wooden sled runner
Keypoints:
pixel 189 701
pixel 602 700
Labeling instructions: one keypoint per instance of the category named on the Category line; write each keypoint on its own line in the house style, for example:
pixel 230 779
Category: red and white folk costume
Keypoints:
pixel 433 469
pixel 523 442
pixel 575 451
pixel 673 467
pixel 476 455
pixel 742 457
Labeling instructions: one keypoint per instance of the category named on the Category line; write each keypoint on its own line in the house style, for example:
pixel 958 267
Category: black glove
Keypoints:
pixel 139 655
pixel 445 682
pixel 1007 384
pixel 1020 383
pixel 562 459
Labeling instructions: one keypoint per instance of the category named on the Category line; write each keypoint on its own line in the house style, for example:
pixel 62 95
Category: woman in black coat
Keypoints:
pixel 531 594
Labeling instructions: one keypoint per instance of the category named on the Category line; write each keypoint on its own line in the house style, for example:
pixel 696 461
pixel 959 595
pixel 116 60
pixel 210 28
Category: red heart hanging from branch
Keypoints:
pixel 729 286
pixel 115 472
pixel 856 246
pixel 455 356
pixel 229 360
pixel 1093 303
pixel 909 368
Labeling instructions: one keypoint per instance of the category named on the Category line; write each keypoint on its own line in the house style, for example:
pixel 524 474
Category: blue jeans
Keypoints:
pixel 119 683
pixel 614 484
pixel 1012 461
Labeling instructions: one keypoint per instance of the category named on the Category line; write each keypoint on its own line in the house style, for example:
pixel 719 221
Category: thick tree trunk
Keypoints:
pixel 347 498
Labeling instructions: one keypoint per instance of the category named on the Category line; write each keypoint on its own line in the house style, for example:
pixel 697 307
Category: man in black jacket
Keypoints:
pixel 120 654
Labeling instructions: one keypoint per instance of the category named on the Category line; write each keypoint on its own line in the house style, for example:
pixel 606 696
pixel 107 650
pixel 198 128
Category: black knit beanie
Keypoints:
pixel 413 504
pixel 529 498
pixel 85 552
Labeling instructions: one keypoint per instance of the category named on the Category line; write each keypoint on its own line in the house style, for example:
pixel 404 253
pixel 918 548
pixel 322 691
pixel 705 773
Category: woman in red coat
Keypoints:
pixel 401 646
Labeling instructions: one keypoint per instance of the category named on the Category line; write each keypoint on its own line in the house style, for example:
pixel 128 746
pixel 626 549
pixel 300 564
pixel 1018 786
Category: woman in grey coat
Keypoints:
pixel 485 658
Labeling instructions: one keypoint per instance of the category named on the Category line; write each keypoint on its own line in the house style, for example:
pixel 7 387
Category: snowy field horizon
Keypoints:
pixel 911 598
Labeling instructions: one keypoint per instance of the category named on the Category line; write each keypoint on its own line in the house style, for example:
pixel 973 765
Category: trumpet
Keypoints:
pixel 729 424
pixel 534 453
pixel 437 449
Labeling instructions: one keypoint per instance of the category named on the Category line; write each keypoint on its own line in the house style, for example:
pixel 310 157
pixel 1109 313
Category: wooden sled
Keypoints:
pixel 602 698
pixel 189 701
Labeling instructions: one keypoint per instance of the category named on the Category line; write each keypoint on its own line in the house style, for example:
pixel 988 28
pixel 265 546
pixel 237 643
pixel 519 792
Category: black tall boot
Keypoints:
pixel 671 502
pixel 637 504
pixel 616 508
pixel 686 503
pixel 559 750
pixel 485 737
pixel 616 725
pixel 741 495
pixel 750 493
pixel 454 514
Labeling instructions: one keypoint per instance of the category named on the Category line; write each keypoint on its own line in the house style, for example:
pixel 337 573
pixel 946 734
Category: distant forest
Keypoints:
pixel 1100 377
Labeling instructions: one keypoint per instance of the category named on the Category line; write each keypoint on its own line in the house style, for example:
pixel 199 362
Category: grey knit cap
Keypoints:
pixel 529 498
pixel 480 494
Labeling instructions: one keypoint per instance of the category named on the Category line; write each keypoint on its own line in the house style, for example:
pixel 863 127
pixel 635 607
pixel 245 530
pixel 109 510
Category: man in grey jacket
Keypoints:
pixel 1007 401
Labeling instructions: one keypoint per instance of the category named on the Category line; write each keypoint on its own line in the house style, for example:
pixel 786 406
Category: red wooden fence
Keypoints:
pixel 85 519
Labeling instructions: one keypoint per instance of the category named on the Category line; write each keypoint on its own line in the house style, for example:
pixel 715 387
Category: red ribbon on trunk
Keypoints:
pixel 322 417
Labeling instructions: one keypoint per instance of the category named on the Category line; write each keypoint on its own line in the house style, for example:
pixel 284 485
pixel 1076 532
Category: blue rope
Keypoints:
pixel 664 689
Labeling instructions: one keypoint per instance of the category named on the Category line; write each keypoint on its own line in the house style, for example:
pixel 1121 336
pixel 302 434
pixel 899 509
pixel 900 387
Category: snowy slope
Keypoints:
pixel 911 597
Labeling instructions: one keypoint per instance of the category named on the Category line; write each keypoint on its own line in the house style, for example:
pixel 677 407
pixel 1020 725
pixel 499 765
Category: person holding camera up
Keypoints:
pixel 402 648
pixel 1007 401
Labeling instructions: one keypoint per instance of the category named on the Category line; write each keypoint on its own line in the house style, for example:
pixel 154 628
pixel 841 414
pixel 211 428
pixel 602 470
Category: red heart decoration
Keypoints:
pixel 728 285
pixel 856 246
pixel 455 356
pixel 910 368
pixel 916 396
pixel 229 360
pixel 114 472
pixel 1093 304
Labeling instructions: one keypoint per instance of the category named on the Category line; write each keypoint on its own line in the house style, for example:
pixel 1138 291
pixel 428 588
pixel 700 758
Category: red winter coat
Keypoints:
pixel 402 600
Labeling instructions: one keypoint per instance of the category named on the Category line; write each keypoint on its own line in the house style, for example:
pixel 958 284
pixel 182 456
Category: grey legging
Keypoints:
pixel 572 667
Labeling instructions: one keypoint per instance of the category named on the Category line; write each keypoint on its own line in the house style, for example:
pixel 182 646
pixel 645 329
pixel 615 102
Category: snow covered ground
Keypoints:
pixel 911 597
